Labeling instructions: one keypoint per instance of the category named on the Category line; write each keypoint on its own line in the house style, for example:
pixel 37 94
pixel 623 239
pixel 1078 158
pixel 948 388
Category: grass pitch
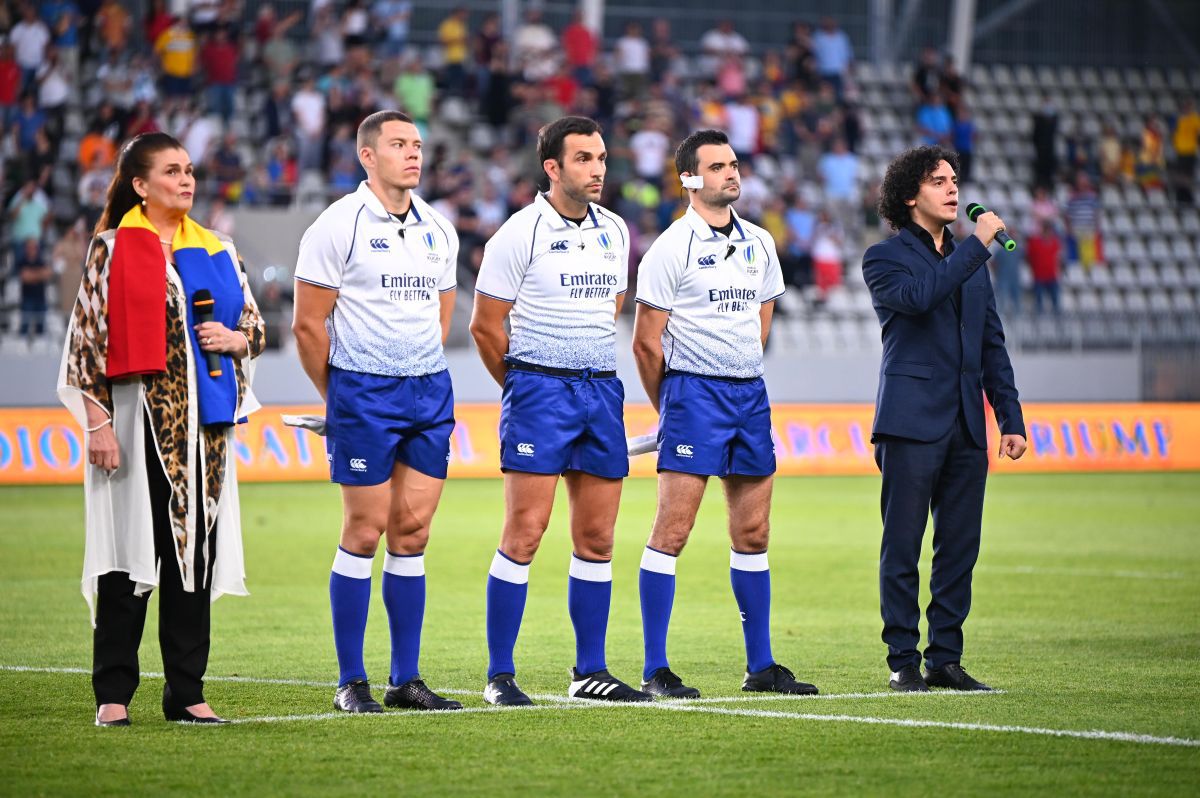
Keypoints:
pixel 1087 615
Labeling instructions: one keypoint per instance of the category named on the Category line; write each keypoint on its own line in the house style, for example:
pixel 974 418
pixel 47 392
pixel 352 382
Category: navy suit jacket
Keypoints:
pixel 933 361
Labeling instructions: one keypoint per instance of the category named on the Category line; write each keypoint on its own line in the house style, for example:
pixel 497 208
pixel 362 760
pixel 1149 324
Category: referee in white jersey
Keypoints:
pixel 375 285
pixel 557 270
pixel 706 291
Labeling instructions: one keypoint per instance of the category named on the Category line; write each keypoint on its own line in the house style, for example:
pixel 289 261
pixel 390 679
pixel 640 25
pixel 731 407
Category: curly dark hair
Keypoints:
pixel 903 179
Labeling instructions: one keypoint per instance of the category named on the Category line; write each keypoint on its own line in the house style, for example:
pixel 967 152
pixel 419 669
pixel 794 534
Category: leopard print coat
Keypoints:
pixel 166 394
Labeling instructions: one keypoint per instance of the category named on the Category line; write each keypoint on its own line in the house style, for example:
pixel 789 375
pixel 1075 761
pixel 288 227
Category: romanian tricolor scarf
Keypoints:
pixel 137 305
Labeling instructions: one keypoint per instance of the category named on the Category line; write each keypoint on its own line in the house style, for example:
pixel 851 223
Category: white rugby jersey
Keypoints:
pixel 713 286
pixel 563 281
pixel 387 318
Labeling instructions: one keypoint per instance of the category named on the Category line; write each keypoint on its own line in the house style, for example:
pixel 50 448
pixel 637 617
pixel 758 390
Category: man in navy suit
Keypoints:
pixel 943 347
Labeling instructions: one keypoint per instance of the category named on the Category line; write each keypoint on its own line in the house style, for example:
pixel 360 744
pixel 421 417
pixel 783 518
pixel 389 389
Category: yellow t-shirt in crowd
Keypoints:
pixel 1187 129
pixel 452 33
pixel 176 48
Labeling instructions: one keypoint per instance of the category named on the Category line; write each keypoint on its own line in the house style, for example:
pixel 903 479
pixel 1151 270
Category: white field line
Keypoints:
pixel 565 703
pixel 1033 570
pixel 1093 734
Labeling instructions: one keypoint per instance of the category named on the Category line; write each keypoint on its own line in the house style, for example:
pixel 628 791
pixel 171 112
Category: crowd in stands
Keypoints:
pixel 267 103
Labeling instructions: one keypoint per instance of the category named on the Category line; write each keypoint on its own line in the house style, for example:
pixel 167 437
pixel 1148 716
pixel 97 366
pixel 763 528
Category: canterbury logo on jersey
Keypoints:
pixel 358 464
pixel 379 244
pixel 683 450
pixel 525 449
pixel 559 246
pixel 708 260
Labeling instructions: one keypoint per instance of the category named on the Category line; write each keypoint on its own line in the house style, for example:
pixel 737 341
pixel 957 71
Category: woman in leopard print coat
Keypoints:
pixel 160 484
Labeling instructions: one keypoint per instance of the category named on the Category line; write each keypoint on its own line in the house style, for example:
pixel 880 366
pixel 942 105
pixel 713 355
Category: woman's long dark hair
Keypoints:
pixel 135 160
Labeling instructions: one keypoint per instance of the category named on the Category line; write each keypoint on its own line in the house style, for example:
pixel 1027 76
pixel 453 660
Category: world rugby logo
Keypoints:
pixel 358 464
pixel 683 450
pixel 379 244
pixel 525 449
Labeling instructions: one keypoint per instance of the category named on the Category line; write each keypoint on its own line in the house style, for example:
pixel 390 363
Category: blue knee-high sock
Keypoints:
pixel 589 593
pixel 656 585
pixel 404 597
pixel 507 586
pixel 349 598
pixel 751 581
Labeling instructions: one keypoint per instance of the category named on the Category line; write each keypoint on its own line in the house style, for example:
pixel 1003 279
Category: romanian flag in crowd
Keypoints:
pixel 137 305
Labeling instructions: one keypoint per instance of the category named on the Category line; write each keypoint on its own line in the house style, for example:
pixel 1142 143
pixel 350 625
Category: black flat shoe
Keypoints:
pixel 183 716
pixel 177 714
pixel 118 722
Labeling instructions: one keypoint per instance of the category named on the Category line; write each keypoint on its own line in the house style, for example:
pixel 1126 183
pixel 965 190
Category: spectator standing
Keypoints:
pixel 927 77
pixel 1184 138
pixel 62 18
pixel 935 126
pixel 10 83
pixel 414 91
pixel 393 16
pixel 1006 275
pixel 650 146
pixel 30 37
pixel 454 38
pixel 54 90
pixel 720 44
pixel 1044 252
pixel 115 81
pixel 1045 143
pixel 801 226
pixel 964 142
pixel 839 179
pixel 308 109
pixel 113 22
pixel 1083 222
pixel 834 54
pixel 176 50
pixel 158 18
pixel 28 214
pixel 828 240
pixel 220 56
pixel 65 259
pixel 580 47
pixel 665 57
pixel 742 126
pixel 34 275
pixel 1152 160
pixel 631 55
pixel 534 46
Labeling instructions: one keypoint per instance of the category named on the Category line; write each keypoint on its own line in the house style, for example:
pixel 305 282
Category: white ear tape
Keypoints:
pixel 692 181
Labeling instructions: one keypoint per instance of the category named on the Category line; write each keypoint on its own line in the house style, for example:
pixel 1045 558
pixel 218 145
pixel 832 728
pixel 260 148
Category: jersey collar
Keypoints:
pixel 554 219
pixel 705 233
pixel 417 209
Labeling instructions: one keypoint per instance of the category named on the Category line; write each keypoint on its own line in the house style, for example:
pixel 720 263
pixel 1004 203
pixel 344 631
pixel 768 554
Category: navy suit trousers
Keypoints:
pixel 946 476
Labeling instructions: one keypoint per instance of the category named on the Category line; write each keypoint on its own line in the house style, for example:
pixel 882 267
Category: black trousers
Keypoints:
pixel 183 618
pixel 946 476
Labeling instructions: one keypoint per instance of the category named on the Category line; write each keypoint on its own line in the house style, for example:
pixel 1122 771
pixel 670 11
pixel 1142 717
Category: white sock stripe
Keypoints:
pixel 747 562
pixel 351 565
pixel 591 571
pixel 506 570
pixel 404 566
pixel 658 562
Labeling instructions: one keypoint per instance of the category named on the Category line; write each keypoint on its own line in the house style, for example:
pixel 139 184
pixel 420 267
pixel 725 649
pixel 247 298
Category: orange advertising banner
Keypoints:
pixel 44 446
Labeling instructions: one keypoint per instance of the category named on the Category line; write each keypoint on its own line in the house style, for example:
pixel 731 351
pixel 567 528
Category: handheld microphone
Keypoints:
pixel 975 210
pixel 202 311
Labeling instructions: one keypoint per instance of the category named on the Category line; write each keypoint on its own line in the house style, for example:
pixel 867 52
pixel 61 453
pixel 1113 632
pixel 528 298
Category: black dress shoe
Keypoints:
pixel 908 680
pixel 776 679
pixel 118 722
pixel 415 695
pixel 954 677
